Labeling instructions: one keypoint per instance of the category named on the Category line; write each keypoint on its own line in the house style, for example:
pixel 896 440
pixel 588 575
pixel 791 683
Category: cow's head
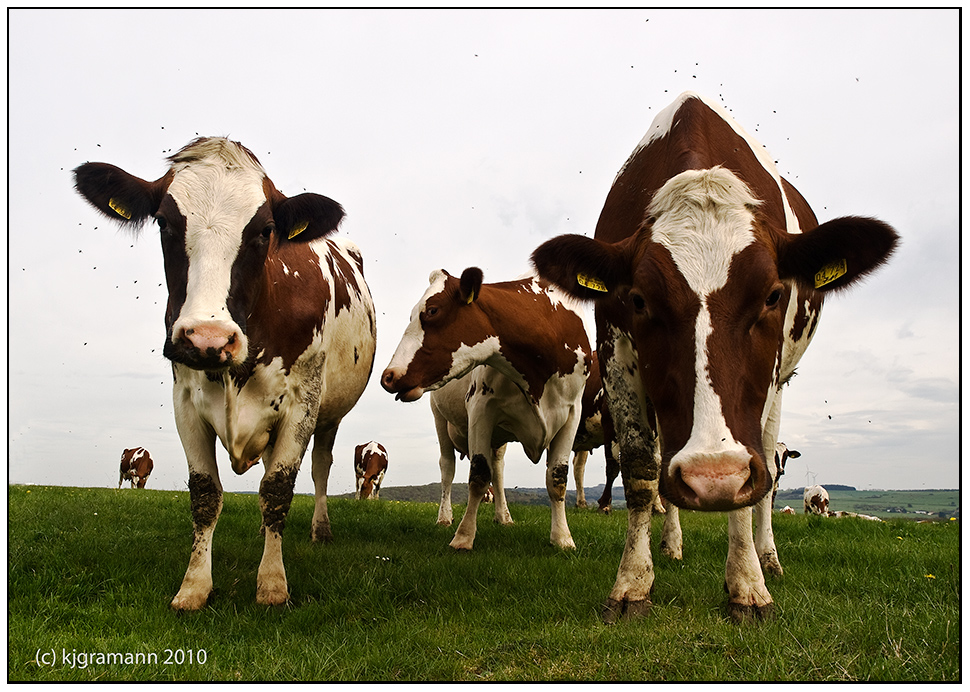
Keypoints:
pixel 701 290
pixel 443 341
pixel 218 214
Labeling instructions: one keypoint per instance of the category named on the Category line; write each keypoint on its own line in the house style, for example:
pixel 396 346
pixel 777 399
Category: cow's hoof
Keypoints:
pixel 321 534
pixel 614 611
pixel 444 522
pixel 189 601
pixel 272 596
pixel 741 613
pixel 608 509
pixel 673 554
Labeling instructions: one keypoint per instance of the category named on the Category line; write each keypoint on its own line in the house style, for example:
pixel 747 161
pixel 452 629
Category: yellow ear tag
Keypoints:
pixel 297 230
pixel 591 283
pixel 471 298
pixel 830 272
pixel 118 207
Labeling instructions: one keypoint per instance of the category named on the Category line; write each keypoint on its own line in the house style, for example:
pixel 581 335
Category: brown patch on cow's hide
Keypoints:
pixel 306 294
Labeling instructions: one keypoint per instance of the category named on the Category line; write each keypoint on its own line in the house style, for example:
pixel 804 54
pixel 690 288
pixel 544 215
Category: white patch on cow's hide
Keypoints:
pixel 217 195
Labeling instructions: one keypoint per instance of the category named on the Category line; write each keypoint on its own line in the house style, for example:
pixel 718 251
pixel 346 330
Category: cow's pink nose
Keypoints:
pixel 718 482
pixel 214 339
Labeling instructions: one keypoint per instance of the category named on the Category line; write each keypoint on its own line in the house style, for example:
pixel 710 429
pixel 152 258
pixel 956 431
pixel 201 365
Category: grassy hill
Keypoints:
pixel 91 572
pixel 897 504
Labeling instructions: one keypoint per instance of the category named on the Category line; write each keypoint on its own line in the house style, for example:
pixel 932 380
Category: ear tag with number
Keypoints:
pixel 591 283
pixel 297 230
pixel 830 272
pixel 119 207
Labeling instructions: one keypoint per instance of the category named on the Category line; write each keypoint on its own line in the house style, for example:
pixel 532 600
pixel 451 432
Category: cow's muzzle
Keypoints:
pixel 716 482
pixel 392 381
pixel 207 345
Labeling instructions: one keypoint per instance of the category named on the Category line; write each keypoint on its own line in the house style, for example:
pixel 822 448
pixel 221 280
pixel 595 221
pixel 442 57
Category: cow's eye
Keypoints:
pixel 773 298
pixel 431 311
pixel 639 304
pixel 161 221
pixel 268 230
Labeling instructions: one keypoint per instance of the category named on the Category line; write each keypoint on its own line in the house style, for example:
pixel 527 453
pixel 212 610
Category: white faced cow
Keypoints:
pixel 708 271
pixel 370 465
pixel 270 329
pixel 816 500
pixel 782 455
pixel 136 466
pixel 535 354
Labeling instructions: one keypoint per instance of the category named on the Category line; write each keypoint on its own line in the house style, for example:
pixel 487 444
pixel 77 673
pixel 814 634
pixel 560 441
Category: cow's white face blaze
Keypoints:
pixel 217 192
pixel 705 220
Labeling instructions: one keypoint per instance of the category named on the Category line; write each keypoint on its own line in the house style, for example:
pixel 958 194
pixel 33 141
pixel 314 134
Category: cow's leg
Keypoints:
pixel 321 460
pixel 748 597
pixel 502 514
pixel 612 471
pixel 764 539
pixel 205 493
pixel 479 478
pixel 557 471
pixel 630 596
pixel 446 462
pixel 579 475
pixel 672 538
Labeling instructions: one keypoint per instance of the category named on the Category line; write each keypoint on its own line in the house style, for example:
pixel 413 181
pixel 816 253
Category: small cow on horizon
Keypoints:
pixel 370 464
pixel 136 466
pixel 782 455
pixel 816 500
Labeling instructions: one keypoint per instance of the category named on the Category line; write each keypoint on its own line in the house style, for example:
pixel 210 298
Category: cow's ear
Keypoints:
pixel 119 195
pixel 470 285
pixel 583 267
pixel 838 253
pixel 306 217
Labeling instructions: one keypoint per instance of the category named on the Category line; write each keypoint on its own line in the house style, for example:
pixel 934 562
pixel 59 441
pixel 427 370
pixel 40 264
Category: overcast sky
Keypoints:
pixel 460 138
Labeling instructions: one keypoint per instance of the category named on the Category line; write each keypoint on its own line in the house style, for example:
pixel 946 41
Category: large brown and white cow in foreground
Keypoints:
pixel 522 351
pixel 708 272
pixel 136 466
pixel 270 329
pixel 370 465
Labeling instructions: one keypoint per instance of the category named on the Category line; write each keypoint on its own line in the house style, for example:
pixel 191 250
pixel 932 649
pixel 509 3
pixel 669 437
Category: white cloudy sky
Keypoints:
pixel 458 138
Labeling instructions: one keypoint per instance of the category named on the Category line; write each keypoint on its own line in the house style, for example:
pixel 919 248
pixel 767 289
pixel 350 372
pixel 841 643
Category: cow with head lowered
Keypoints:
pixel 370 465
pixel 708 271
pixel 270 329
pixel 136 467
pixel 522 350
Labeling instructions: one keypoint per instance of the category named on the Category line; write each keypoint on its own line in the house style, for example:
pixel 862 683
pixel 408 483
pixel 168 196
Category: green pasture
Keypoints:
pixel 91 573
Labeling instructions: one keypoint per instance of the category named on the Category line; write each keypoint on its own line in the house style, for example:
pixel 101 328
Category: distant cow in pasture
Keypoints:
pixel 136 466
pixel 788 510
pixel 816 500
pixel 269 326
pixel 840 514
pixel 370 464
pixel 782 455
pixel 505 362
pixel 708 271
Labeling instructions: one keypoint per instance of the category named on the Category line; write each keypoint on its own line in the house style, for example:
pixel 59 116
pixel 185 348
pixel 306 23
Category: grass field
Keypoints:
pixel 91 573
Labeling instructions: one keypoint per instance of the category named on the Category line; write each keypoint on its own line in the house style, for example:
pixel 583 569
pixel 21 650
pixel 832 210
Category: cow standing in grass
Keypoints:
pixel 370 465
pixel 524 350
pixel 708 272
pixel 269 326
pixel 136 466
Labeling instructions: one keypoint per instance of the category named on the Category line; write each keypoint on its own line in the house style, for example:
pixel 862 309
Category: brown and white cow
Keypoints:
pixel 816 500
pixel 136 466
pixel 782 455
pixel 708 271
pixel 595 430
pixel 523 351
pixel 370 464
pixel 270 329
